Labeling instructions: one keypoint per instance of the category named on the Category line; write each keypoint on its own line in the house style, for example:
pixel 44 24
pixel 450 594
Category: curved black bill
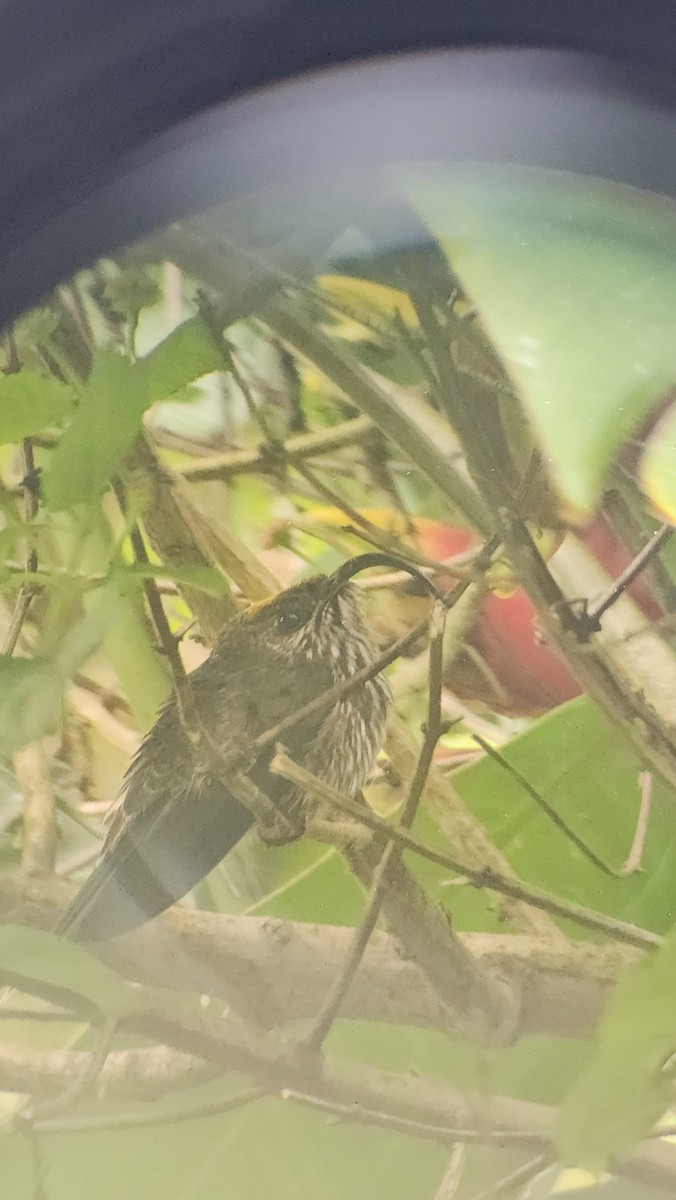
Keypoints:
pixel 376 558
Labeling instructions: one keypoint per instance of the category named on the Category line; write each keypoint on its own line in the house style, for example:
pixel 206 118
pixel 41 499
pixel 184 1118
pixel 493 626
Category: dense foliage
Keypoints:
pixel 192 426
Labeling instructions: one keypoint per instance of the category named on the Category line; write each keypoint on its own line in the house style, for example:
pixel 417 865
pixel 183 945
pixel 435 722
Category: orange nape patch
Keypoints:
pixel 257 606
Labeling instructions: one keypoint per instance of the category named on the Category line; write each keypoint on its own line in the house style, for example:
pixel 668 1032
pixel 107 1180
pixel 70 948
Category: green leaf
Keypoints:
pixel 584 766
pixel 271 1147
pixel 118 607
pixel 627 1085
pixel 140 669
pixel 203 578
pixel 575 283
pixel 103 430
pixel 59 963
pixel 187 353
pixel 30 402
pixel 31 692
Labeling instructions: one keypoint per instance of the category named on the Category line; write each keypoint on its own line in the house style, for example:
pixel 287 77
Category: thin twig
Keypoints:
pixel 517 1179
pixel 471 407
pixel 256 411
pixel 41 1016
pixel 78 861
pixel 265 460
pixel 448 1188
pixel 620 931
pixel 444 1133
pixel 388 406
pixel 91 1069
pixel 23 603
pixel 634 684
pixel 635 855
pixel 384 539
pixel 626 578
pixel 331 1007
pixel 555 817
pixel 183 692
pixel 140 1073
pixel 28 589
pixel 168 642
pixel 195 1111
pixel 174 529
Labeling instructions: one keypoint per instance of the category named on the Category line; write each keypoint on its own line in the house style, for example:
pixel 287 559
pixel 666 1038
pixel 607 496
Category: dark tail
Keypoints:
pixel 155 860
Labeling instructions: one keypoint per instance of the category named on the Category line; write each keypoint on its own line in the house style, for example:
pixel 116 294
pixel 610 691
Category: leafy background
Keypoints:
pixel 305 403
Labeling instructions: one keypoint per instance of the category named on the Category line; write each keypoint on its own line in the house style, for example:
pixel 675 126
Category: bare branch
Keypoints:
pixel 167 518
pixel 134 1074
pixel 268 459
pixel 277 971
pixel 391 854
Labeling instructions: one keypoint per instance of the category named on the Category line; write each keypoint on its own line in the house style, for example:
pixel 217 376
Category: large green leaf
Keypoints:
pixel 575 282
pixel 58 963
pixel 29 402
pixel 30 700
pixel 270 1148
pixel 85 538
pixel 103 430
pixel 188 352
pixel 111 407
pixel 629 1082
pixel 588 771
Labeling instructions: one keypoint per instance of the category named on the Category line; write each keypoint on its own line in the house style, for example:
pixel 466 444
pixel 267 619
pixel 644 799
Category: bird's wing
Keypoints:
pixel 156 857
pixel 176 821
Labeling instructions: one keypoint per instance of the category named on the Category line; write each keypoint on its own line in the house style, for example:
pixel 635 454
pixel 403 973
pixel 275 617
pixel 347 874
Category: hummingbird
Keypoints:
pixel 177 816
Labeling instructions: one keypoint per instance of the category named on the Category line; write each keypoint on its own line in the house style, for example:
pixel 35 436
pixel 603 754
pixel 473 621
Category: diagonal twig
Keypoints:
pixel 620 931
pixel 391 854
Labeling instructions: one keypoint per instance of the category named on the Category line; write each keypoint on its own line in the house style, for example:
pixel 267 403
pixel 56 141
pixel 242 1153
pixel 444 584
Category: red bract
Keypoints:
pixel 508 667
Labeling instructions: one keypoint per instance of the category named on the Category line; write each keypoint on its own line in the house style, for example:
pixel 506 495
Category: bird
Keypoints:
pixel 177 816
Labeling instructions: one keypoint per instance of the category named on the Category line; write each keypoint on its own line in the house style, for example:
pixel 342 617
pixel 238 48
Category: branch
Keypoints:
pixel 461 828
pixel 627 668
pixel 622 931
pixel 404 418
pixel 167 519
pixel 390 857
pixel 279 971
pixel 266 459
pixel 40 832
pixel 425 1107
pixel 131 1074
pixel 448 809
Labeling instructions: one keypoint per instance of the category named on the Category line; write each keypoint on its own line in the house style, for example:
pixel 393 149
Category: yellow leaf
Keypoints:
pixel 368 301
pixel 657 468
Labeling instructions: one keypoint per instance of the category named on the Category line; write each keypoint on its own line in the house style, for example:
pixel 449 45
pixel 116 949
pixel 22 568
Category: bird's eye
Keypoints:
pixel 291 620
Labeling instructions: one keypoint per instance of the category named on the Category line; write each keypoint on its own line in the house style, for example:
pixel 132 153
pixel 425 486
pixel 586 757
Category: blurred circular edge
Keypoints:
pixel 116 120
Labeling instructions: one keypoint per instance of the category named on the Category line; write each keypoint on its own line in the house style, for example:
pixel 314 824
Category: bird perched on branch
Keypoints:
pixel 178 815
